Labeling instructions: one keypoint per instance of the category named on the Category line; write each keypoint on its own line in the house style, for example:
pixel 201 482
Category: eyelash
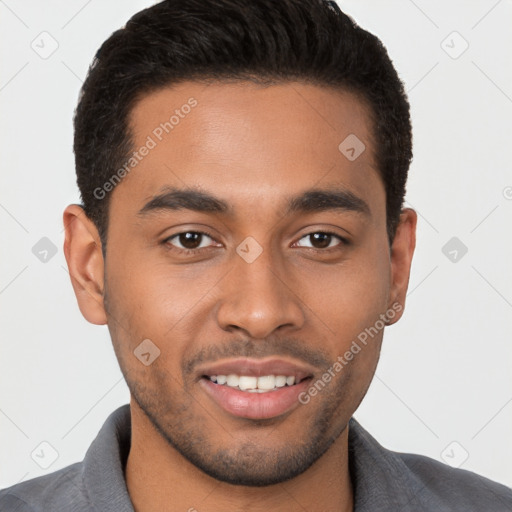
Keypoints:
pixel 191 252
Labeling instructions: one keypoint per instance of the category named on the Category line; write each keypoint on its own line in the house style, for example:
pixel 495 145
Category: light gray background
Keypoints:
pixel 445 370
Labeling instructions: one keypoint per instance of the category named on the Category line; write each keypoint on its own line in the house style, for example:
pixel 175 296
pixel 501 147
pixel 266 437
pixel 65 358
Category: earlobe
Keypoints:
pixel 402 251
pixel 82 248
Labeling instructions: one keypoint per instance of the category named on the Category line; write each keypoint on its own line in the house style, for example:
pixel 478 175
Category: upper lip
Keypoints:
pixel 256 368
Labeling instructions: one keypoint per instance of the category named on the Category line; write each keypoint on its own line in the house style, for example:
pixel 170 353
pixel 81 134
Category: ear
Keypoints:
pixel 402 251
pixel 82 248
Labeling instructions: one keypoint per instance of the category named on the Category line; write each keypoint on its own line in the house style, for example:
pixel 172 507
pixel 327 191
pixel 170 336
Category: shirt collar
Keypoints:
pixel 109 453
pixel 380 478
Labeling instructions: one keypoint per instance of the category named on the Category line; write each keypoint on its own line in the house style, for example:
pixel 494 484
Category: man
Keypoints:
pixel 242 167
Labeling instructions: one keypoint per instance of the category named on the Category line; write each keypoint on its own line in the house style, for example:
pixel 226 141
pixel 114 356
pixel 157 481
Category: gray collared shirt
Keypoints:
pixel 383 481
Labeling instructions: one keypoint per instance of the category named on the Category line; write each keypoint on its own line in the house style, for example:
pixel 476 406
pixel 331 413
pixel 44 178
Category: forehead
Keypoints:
pixel 245 141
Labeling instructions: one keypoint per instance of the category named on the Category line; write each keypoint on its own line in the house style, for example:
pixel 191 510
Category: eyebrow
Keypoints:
pixel 312 200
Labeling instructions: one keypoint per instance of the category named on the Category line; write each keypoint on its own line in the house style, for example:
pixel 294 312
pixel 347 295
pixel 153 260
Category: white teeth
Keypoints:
pixel 266 382
pixel 251 384
pixel 247 383
pixel 232 380
pixel 280 381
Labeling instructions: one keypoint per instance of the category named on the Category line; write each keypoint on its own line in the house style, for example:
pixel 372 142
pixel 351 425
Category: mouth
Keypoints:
pixel 251 384
pixel 255 389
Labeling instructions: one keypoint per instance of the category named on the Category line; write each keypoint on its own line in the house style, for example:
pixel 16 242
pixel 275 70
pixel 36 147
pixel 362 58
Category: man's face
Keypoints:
pixel 268 291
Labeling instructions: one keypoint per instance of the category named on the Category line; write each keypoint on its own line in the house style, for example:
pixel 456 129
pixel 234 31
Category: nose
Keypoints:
pixel 258 300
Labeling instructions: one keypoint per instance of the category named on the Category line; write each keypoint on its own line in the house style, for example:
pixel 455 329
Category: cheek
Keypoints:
pixel 349 300
pixel 152 300
pixel 350 297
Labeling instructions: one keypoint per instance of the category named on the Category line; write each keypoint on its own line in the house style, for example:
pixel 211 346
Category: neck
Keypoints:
pixel 160 479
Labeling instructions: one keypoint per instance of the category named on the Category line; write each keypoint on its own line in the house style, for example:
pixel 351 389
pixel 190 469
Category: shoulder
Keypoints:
pixel 457 486
pixel 409 482
pixel 60 490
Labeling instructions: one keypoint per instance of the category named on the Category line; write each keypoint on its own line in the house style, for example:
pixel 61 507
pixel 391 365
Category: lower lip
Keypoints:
pixel 255 405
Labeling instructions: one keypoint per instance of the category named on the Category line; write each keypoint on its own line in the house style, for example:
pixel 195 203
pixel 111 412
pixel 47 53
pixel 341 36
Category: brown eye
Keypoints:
pixel 189 240
pixel 322 240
